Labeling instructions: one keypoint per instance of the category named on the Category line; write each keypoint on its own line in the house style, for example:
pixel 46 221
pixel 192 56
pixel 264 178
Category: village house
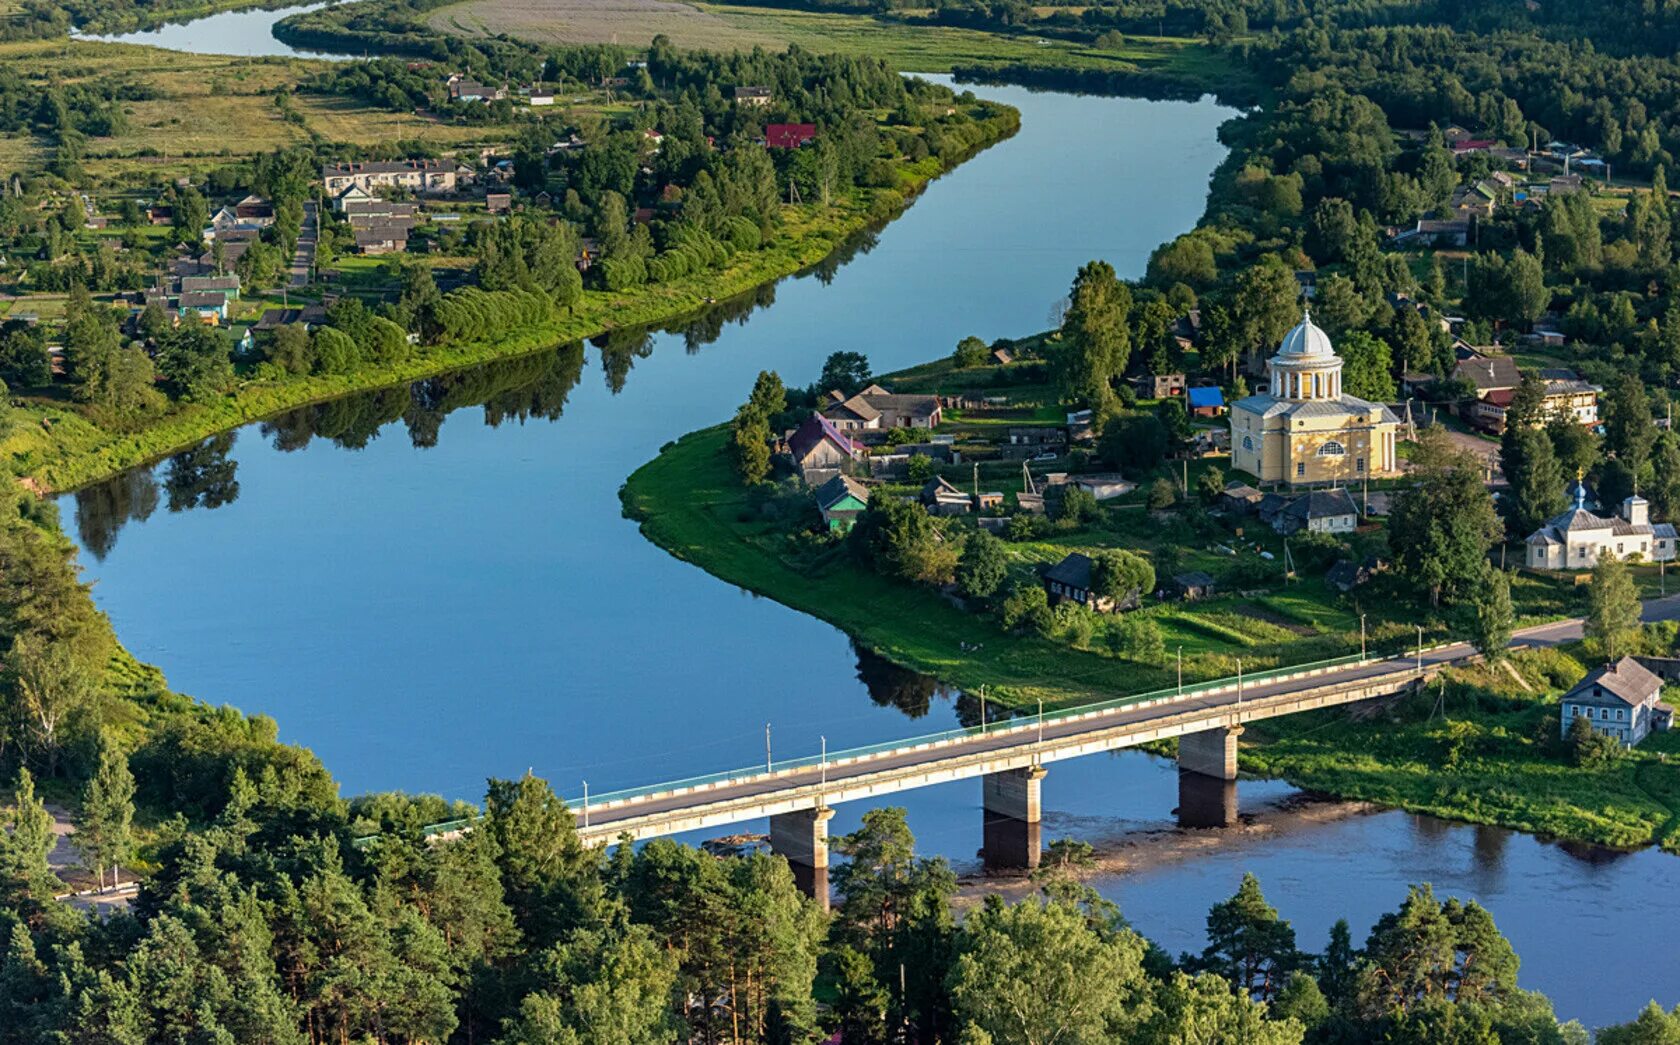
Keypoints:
pixel 1103 486
pixel 1191 586
pixel 756 97
pixel 1071 581
pixel 464 90
pixel 1159 386
pixel 498 202
pixel 1436 232
pixel 788 135
pixel 1575 539
pixel 1206 401
pixel 942 497
pixel 1187 330
pixel 841 500
pixel 819 449
pixel 227 286
pixel 1566 397
pixel 875 408
pixel 1080 426
pixel 1620 700
pixel 425 176
pixel 1304 429
pixel 208 307
pixel 1347 575
pixel 1321 511
pixel 1037 436
pixel 1240 498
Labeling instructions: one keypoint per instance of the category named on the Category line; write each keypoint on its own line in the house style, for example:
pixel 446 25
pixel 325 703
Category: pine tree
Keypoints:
pixel 105 825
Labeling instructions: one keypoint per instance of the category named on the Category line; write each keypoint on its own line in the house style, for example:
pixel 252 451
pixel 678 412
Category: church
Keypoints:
pixel 1304 430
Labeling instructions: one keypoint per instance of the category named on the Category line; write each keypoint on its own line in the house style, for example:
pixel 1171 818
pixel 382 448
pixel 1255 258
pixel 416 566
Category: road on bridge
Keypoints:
pixel 1019 734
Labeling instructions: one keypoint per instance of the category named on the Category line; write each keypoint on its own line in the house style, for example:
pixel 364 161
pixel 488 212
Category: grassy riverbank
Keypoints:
pixel 58 447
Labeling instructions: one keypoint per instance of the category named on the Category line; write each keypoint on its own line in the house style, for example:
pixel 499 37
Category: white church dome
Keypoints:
pixel 1306 340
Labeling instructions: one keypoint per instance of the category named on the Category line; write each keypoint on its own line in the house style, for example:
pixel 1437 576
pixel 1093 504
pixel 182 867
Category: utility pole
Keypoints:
pixel 767 762
pixel 1239 683
pixel 1420 649
pixel 1181 671
pixel 1041 720
pixel 823 786
pixel 1362 656
pixel 982 709
pixel 586 803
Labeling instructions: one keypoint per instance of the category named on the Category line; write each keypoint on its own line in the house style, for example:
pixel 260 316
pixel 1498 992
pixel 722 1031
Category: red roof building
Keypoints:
pixel 788 135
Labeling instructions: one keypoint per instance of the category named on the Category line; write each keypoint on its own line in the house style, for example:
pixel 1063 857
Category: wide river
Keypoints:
pixel 435 586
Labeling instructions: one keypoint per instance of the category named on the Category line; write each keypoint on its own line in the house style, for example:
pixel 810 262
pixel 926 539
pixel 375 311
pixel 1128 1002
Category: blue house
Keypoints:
pixel 1206 401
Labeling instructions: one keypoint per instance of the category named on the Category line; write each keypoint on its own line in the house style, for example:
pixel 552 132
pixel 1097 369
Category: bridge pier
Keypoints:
pixel 1211 752
pixel 801 837
pixel 1205 801
pixel 1012 810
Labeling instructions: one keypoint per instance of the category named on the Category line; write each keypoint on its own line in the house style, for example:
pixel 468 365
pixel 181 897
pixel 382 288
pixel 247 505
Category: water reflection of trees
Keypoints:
pixel 892 686
pixel 533 386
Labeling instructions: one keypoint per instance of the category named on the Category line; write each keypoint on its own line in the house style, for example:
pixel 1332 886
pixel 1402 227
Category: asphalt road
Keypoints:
pixel 1013 735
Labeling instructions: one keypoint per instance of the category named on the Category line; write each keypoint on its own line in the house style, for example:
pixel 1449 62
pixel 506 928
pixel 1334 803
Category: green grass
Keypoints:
pixel 1482 748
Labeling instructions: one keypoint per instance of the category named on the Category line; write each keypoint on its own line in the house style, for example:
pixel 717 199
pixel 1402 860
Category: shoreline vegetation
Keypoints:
pixel 64 450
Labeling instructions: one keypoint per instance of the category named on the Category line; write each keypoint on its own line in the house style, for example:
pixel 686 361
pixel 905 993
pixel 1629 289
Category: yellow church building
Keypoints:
pixel 1304 430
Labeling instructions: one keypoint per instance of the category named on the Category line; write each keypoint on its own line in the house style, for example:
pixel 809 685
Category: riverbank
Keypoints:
pixel 55 447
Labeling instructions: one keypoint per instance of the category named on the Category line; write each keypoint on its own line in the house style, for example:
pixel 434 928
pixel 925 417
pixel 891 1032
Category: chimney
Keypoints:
pixel 1637 511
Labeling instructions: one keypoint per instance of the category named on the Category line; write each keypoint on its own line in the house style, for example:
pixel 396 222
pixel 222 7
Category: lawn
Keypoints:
pixel 1481 746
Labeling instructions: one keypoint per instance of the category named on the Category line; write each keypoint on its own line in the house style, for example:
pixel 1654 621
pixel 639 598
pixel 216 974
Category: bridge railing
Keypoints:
pixel 1016 721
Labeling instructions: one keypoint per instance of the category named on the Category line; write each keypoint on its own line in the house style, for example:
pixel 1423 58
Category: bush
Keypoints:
pixel 1027 609
pixel 1162 494
pixel 1591 749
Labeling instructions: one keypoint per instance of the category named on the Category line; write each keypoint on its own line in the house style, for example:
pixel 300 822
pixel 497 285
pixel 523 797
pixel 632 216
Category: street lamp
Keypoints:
pixel 586 803
pixel 1362 656
pixel 1239 682
pixel 1041 720
pixel 1420 649
pixel 1181 671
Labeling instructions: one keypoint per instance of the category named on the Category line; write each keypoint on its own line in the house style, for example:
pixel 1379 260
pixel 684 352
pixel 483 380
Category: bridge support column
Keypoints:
pixel 1211 752
pixel 1012 809
pixel 802 839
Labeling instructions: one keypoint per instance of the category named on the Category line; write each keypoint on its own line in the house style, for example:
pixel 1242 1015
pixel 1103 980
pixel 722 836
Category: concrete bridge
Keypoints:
pixel 1010 758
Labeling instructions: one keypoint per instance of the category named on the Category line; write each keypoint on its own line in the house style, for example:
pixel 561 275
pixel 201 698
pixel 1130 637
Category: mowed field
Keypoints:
pixel 913 48
pixel 203 109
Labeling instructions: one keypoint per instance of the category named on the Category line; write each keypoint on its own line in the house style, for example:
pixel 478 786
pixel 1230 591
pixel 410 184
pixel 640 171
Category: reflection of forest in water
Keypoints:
pixel 529 387
pixel 534 386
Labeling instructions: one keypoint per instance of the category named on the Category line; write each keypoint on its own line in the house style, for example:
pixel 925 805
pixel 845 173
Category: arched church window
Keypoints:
pixel 1248 442
pixel 1332 449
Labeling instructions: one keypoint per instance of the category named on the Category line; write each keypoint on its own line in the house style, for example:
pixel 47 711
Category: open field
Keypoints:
pixel 205 110
pixel 915 48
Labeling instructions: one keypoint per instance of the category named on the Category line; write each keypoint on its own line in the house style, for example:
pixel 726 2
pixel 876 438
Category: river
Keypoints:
pixel 248 32
pixel 433 586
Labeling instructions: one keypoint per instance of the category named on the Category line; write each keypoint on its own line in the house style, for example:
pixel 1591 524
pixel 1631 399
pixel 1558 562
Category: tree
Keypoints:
pixel 1652 1027
pixel 1576 446
pixel 24 359
pixel 104 825
pixel 1537 488
pixel 1162 494
pixel 1204 1009
pixel 1301 1000
pixel 551 879
pixel 1210 485
pixel 27 884
pixel 333 351
pixel 1096 342
pixel 1135 443
pixel 1494 619
pixel 1120 575
pixel 1027 608
pixel 195 361
pixel 920 468
pixel 1248 944
pixel 1367 367
pixel 1443 524
pixel 1589 748
pixel 896 538
pixel 1613 605
pixel 971 352
pixel 1266 305
pixel 189 216
pixel 289 349
pixel 1629 431
pixel 983 565
pixel 1039 974
pixel 54 685
pixel 1430 952
pixel 1077 505
pixel 845 372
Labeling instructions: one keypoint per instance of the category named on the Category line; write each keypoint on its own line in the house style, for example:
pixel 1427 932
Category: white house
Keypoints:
pixel 1575 539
